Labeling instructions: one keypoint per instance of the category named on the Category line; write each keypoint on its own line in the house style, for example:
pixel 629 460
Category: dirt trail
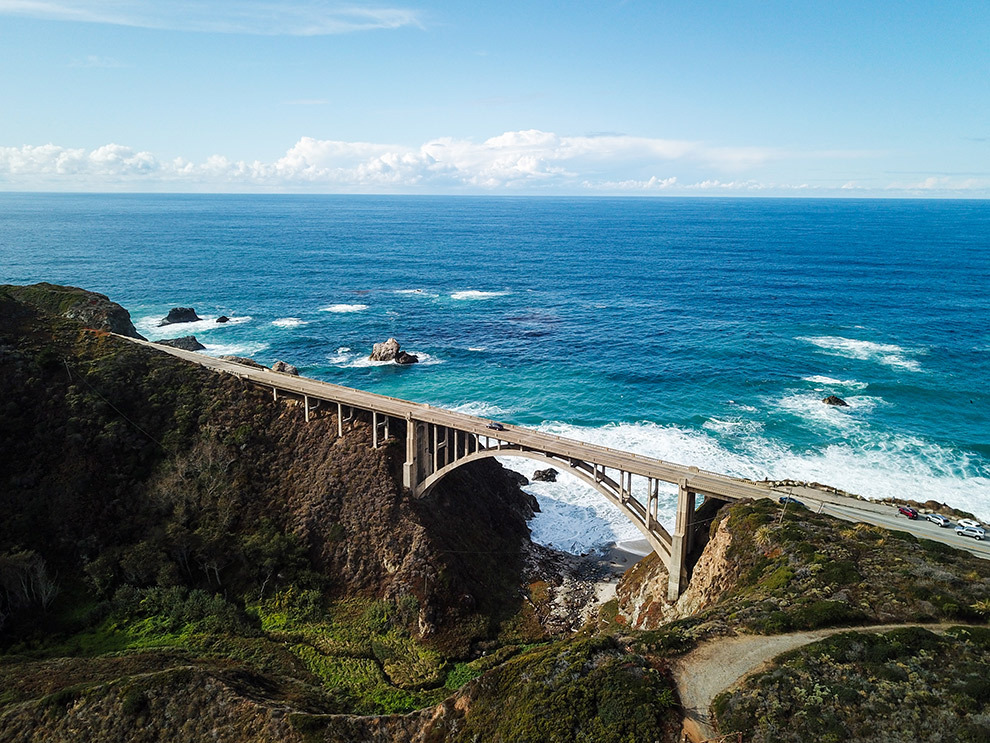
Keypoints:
pixel 716 665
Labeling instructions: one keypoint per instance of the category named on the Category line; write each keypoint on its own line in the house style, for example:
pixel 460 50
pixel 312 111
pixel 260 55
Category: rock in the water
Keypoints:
pixel 517 477
pixel 281 366
pixel 406 358
pixel 833 400
pixel 385 351
pixel 186 343
pixel 179 314
pixel 247 362
pixel 223 318
pixel 547 475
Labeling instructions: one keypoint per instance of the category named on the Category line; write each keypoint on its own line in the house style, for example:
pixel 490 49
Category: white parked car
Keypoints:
pixel 970 523
pixel 939 519
pixel 971 531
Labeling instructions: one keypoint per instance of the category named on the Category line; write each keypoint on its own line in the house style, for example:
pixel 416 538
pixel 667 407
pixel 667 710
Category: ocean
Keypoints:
pixel 701 331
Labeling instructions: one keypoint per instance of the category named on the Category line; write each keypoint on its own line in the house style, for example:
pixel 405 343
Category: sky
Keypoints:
pixel 605 97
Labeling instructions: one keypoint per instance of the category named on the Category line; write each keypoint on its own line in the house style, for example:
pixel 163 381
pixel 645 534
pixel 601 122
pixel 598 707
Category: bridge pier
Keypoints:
pixel 410 468
pixel 680 542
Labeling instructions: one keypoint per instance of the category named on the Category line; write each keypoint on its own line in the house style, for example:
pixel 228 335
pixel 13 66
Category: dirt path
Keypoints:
pixel 716 665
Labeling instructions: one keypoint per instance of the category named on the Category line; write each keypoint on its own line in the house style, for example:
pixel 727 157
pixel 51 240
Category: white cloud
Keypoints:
pixel 262 17
pixel 525 161
pixel 94 61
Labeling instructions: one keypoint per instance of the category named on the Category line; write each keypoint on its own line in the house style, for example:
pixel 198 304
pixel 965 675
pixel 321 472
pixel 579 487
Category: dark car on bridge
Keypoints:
pixel 496 426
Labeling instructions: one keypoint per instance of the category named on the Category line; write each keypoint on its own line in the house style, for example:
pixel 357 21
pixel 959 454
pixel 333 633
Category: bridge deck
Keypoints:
pixel 699 481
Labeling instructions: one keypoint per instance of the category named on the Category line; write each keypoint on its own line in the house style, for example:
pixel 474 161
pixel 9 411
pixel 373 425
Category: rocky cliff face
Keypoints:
pixel 642 592
pixel 90 309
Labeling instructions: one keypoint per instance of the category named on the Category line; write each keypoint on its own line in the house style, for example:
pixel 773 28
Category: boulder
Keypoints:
pixel 186 343
pixel 281 366
pixel 223 318
pixel 517 477
pixel 385 351
pixel 242 360
pixel 406 358
pixel 547 475
pixel 179 314
pixel 833 400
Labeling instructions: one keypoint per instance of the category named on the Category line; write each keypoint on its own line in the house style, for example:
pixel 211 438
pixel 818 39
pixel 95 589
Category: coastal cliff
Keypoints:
pixel 182 557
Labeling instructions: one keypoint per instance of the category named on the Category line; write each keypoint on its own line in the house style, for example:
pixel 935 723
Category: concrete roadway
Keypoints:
pixel 849 509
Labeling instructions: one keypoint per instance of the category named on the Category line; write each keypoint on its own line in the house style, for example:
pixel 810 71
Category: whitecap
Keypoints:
pixel 289 322
pixel 884 353
pixel 479 409
pixel 733 427
pixel 416 292
pixel 148 326
pixel 234 349
pixel 477 348
pixel 475 294
pixel 830 382
pixel 344 308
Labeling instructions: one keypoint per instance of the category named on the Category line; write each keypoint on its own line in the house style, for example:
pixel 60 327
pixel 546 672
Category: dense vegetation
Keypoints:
pixel 908 684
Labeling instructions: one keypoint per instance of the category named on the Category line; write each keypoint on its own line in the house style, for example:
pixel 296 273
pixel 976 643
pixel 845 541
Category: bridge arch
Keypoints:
pixel 658 537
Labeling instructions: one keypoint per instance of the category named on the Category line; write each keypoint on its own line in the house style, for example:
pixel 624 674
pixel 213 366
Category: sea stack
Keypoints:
pixel 837 401
pixel 389 351
pixel 179 314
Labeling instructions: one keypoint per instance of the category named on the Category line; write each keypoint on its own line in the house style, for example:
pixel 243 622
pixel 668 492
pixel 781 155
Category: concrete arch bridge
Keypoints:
pixel 438 441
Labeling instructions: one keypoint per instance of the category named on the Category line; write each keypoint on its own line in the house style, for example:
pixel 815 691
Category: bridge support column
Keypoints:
pixel 680 542
pixel 410 468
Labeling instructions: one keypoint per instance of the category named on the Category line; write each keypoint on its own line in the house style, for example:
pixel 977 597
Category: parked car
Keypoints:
pixel 908 511
pixel 970 523
pixel 971 531
pixel 938 519
pixel 785 499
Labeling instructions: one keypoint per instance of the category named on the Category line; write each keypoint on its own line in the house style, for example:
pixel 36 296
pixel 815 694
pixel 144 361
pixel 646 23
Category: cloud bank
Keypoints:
pixel 259 17
pixel 527 161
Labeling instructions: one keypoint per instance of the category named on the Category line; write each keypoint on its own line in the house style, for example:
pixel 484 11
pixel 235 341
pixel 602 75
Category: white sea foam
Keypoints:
pixel 480 409
pixel 474 294
pixel 234 349
pixel 477 348
pixel 576 518
pixel 883 353
pixel 344 358
pixel 289 322
pixel 344 308
pixel 417 292
pixel 148 326
pixel 830 382
pixel 732 426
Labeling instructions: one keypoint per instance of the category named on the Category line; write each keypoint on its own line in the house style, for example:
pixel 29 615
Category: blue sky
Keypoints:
pixel 735 98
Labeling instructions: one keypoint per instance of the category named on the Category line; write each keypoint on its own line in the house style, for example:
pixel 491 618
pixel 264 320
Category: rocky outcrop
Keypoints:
pixel 385 351
pixel 244 360
pixel 517 477
pixel 284 368
pixel 179 315
pixel 90 309
pixel 834 400
pixel 547 475
pixel 222 319
pixel 642 591
pixel 406 358
pixel 186 343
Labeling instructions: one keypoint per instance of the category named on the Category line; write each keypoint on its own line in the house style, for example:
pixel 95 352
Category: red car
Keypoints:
pixel 908 511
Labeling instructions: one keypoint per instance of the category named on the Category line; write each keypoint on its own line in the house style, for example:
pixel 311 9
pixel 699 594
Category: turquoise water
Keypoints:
pixel 701 331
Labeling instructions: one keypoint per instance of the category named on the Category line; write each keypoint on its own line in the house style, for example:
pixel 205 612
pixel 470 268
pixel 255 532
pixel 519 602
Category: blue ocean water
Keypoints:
pixel 702 331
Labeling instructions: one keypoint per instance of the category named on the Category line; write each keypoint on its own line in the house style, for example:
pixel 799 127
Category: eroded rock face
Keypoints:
pixel 406 358
pixel 186 343
pixel 834 400
pixel 547 475
pixel 179 314
pixel 385 351
pixel 642 592
pixel 281 366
